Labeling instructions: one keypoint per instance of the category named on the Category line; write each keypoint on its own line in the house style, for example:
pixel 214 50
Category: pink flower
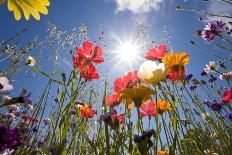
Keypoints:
pixel 148 110
pixel 227 96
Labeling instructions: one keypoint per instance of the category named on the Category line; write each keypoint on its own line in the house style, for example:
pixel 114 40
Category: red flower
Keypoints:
pixel 156 53
pixel 148 109
pixel 176 75
pixel 89 73
pixel 118 119
pixel 112 100
pixel 87 112
pixel 126 81
pixel 227 96
pixel 90 52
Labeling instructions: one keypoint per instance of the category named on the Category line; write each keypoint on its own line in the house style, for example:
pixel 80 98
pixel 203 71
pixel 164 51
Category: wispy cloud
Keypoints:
pixel 138 6
pixel 220 8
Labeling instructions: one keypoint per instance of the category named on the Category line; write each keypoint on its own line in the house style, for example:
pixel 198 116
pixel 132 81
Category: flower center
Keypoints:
pixel 1 86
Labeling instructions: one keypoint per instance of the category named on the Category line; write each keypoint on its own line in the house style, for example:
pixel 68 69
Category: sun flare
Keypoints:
pixel 127 52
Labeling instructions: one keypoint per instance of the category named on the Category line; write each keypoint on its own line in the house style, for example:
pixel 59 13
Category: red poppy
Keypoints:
pixel 112 100
pixel 89 73
pixel 90 52
pixel 148 109
pixel 87 112
pixel 227 96
pixel 156 53
pixel 126 81
pixel 118 119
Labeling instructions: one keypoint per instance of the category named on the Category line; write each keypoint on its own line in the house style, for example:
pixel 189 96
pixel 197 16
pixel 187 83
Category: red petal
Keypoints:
pixel 98 60
pixel 118 85
pixel 87 47
pixel 144 107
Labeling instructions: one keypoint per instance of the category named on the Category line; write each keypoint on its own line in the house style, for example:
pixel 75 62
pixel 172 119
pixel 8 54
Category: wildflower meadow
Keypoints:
pixel 161 86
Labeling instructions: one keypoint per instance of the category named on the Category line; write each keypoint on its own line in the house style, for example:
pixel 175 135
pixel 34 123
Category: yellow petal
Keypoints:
pixel 38 6
pixel 24 8
pixel 32 11
pixel 44 2
pixel 10 5
pixel 16 10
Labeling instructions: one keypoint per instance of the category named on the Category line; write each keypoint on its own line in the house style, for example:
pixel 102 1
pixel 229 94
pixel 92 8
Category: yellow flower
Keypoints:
pixel 28 7
pixel 163 106
pixel 160 152
pixel 175 62
pixel 152 72
pixel 136 94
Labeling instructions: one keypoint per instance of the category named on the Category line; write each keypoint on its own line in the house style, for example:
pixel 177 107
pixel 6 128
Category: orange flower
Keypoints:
pixel 163 106
pixel 86 111
pixel 175 63
pixel 160 152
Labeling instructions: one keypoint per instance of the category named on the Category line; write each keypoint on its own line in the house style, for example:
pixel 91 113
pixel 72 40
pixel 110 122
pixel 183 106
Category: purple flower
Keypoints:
pixel 203 73
pixel 193 87
pixel 215 106
pixel 10 138
pixel 211 30
pixel 229 116
pixel 212 79
pixel 189 77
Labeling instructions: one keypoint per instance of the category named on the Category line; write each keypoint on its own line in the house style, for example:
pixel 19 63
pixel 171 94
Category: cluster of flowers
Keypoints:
pixel 85 58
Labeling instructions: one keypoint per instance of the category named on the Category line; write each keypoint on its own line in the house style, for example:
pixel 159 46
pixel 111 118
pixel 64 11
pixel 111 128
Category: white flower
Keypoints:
pixel 31 61
pixel 205 115
pixel 226 76
pixel 7 152
pixel 4 85
pixel 211 67
pixel 13 108
pixel 152 72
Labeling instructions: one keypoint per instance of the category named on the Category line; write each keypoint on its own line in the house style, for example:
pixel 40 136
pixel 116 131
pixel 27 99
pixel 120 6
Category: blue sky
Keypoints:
pixel 119 18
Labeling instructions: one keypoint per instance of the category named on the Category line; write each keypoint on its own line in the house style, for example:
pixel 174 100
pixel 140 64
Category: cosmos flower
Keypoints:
pixel 90 74
pixel 211 67
pixel 148 110
pixel 31 61
pixel 226 76
pixel 156 53
pixel 227 96
pixel 112 100
pixel 10 138
pixel 136 94
pixel 212 29
pixel 87 112
pixel 163 106
pixel 152 72
pixel 28 7
pixel 4 85
pixel 175 63
pixel 130 79
pixel 162 152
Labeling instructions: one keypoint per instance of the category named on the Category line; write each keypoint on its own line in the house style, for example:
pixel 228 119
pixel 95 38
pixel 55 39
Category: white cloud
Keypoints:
pixel 138 6
pixel 220 8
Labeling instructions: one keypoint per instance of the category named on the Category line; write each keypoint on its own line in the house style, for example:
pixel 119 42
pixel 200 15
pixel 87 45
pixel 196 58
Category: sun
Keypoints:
pixel 127 52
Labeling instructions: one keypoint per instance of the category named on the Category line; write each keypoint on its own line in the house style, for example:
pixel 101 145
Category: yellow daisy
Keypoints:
pixel 175 62
pixel 28 7
pixel 136 94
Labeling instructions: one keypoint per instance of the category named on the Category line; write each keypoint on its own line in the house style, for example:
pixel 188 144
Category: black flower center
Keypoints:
pixel 1 86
